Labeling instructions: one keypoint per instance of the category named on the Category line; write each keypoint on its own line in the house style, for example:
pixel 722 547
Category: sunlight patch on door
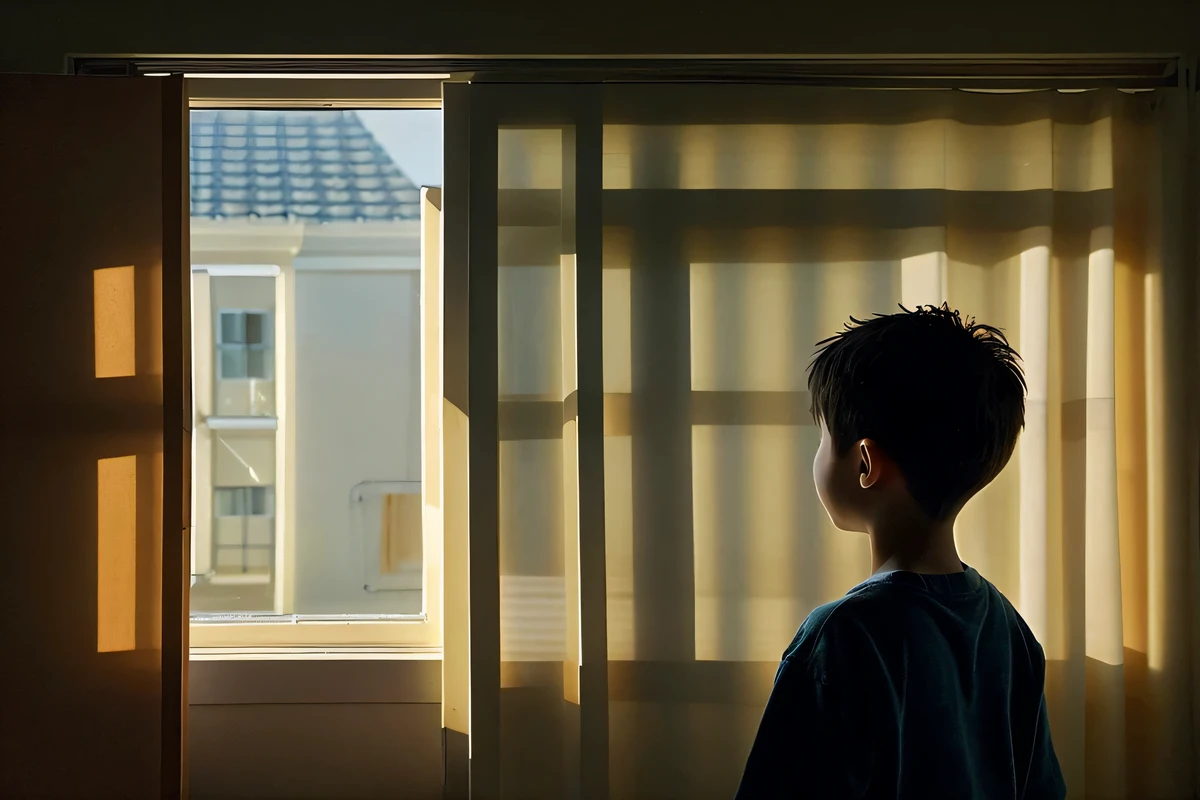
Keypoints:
pixel 113 297
pixel 116 554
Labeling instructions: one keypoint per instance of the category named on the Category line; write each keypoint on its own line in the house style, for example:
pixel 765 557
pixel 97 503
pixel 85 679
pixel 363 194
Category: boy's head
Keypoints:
pixel 920 407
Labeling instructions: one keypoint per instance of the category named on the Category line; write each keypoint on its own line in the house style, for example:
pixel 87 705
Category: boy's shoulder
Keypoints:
pixel 879 614
pixel 839 626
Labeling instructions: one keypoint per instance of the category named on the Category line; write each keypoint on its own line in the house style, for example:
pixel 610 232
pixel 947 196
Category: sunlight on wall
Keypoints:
pixel 113 299
pixel 116 554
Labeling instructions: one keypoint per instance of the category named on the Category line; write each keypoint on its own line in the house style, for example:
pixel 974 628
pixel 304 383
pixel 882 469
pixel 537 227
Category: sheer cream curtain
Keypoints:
pixel 740 226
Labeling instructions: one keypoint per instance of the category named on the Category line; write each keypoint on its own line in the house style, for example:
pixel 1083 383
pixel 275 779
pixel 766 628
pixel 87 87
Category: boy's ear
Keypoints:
pixel 871 463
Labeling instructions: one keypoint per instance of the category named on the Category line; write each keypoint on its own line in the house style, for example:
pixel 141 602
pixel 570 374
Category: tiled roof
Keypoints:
pixel 318 166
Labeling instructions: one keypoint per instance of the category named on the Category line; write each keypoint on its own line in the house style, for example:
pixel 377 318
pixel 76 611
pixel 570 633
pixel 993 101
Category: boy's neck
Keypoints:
pixel 914 545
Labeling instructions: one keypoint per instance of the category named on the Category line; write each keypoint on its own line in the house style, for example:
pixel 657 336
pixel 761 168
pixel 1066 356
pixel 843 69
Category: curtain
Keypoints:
pixel 740 226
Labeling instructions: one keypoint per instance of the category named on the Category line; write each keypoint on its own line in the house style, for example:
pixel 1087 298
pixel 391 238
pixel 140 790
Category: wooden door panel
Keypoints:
pixel 93 439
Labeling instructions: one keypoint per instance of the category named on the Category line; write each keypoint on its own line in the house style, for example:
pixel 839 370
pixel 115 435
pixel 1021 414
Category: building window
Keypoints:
pixel 244 345
pixel 244 501
pixel 245 540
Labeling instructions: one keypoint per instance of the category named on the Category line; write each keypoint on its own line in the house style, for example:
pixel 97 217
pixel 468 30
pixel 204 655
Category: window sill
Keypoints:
pixel 220 423
pixel 266 618
pixel 316 654
pixel 250 579
pixel 335 634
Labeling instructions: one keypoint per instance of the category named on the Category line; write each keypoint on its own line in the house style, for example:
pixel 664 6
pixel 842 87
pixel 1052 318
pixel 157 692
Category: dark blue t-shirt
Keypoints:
pixel 911 686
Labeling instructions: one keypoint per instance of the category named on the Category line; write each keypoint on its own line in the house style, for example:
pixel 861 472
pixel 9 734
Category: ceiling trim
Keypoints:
pixel 855 71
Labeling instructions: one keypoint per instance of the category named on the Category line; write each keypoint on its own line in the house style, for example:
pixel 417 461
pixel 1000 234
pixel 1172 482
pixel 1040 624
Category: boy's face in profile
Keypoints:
pixel 837 481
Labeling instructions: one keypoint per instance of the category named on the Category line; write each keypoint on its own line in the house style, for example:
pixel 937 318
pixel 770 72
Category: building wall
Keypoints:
pixel 202 397
pixel 347 347
pixel 222 457
pixel 357 420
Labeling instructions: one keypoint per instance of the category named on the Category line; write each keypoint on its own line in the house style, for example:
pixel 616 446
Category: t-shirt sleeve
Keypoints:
pixel 1045 776
pixel 806 744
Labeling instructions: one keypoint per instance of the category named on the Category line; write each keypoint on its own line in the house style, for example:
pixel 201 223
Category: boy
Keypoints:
pixel 923 682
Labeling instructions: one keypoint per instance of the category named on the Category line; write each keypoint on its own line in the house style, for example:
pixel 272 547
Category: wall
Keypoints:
pixel 347 361
pixel 357 419
pixel 226 458
pixel 344 729
pixel 35 36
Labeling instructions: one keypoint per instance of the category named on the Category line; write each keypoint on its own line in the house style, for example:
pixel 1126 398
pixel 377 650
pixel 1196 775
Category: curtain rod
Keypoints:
pixel 988 72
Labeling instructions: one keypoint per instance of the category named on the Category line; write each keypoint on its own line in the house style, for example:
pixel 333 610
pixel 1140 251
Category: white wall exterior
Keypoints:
pixel 357 419
pixel 347 395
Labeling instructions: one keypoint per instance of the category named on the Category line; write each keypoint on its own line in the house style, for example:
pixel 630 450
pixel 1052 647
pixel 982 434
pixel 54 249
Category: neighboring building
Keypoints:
pixel 305 244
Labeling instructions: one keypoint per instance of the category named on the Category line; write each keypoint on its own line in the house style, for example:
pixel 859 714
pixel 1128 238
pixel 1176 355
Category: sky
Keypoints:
pixel 413 138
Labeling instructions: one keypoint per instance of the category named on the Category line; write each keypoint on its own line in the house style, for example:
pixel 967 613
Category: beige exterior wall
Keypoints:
pixel 233 581
pixel 357 424
pixel 243 458
pixel 240 397
pixel 224 246
pixel 202 392
pixel 345 397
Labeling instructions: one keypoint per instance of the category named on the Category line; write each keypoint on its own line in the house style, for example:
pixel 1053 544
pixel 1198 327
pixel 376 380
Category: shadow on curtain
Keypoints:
pixel 743 224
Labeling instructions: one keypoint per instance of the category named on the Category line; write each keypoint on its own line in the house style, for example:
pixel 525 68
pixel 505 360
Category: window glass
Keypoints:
pixel 233 362
pixel 256 364
pixel 306 252
pixel 233 328
pixel 254 328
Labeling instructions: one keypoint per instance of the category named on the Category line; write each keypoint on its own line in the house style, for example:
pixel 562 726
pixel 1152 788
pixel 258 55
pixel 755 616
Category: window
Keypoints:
pixel 234 545
pixel 238 358
pixel 243 548
pixel 307 367
pixel 245 345
pixel 244 501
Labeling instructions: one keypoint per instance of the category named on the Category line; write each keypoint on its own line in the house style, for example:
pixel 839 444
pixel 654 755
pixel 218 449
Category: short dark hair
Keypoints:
pixel 942 395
